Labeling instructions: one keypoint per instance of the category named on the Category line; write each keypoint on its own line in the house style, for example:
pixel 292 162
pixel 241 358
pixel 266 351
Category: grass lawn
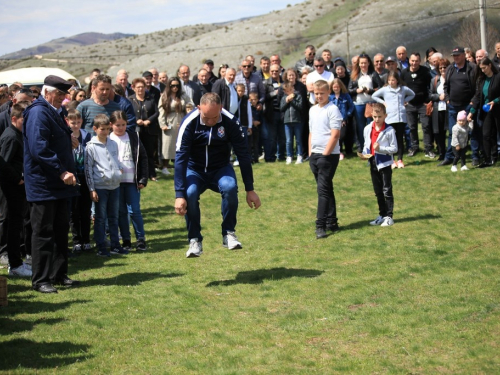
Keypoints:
pixel 420 297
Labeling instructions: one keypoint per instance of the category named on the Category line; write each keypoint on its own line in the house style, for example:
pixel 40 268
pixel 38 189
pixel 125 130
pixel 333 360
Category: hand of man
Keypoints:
pixel 180 206
pixel 253 199
pixel 93 196
pixel 68 178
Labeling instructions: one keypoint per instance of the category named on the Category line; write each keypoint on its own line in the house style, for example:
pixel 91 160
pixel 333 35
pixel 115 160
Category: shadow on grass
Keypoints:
pixel 364 223
pixel 132 278
pixel 10 326
pixel 22 353
pixel 26 305
pixel 258 276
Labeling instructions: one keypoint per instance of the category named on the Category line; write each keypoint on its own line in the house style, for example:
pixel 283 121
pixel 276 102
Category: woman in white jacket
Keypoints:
pixel 394 95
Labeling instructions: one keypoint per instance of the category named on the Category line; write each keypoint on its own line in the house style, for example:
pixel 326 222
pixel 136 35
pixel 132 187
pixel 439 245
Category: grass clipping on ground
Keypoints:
pixel 421 296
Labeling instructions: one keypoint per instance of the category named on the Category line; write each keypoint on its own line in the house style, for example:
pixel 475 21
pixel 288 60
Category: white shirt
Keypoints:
pixel 125 157
pixel 321 122
pixel 314 77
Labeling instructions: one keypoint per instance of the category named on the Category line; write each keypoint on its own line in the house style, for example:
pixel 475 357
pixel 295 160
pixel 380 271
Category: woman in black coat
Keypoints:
pixel 487 93
pixel 146 113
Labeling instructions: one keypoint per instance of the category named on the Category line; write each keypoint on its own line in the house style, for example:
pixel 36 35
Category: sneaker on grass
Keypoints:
pixel 195 248
pixel 388 221
pixel 127 245
pixel 454 168
pixel 231 241
pixel 141 245
pixel 378 221
pixel 103 253
pixel 22 271
pixel 118 250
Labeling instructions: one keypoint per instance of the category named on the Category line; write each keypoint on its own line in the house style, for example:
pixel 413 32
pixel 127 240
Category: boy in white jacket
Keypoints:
pixel 380 143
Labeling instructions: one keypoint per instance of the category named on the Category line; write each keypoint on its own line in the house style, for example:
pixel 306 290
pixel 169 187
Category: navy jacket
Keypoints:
pixel 47 153
pixel 207 148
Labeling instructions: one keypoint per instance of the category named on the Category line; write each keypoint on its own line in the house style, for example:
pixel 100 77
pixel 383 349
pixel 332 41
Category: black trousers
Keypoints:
pixel 440 133
pixel 459 155
pixel 491 130
pixel 253 142
pixel 324 167
pixel 382 185
pixel 50 223
pixel 80 215
pixel 413 114
pixel 15 200
pixel 400 135
pixel 150 143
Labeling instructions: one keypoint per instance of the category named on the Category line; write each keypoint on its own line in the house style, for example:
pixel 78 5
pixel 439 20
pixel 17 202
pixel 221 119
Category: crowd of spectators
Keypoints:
pixel 272 103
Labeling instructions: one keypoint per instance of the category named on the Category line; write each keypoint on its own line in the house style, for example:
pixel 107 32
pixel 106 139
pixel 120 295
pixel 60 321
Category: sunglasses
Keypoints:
pixel 175 85
pixel 224 66
pixel 274 71
pixel 3 85
pixel 379 61
pixel 246 66
pixel 442 67
pixel 319 66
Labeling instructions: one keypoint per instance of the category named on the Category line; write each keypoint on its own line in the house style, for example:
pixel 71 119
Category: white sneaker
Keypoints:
pixel 387 222
pixel 453 168
pixel 464 168
pixel 379 220
pixel 236 163
pixel 289 160
pixel 231 241
pixel 165 171
pixel 21 271
pixel 261 157
pixel 195 248
pixel 300 160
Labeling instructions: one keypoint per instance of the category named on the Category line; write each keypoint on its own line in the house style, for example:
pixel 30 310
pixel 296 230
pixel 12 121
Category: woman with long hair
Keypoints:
pixel 439 107
pixel 361 87
pixel 486 103
pixel 146 114
pixel 172 109
pixel 341 98
pixel 78 95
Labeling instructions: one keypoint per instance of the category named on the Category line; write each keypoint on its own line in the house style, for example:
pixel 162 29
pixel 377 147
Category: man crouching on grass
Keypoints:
pixel 325 122
pixel 202 162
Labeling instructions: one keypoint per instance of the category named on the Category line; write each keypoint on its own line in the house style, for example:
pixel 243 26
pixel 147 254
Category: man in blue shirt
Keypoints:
pixel 202 162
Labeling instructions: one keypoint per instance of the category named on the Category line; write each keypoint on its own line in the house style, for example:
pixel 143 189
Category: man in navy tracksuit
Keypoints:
pixel 202 162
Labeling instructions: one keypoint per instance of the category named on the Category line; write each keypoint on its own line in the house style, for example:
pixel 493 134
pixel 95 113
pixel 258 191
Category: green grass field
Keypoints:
pixel 420 297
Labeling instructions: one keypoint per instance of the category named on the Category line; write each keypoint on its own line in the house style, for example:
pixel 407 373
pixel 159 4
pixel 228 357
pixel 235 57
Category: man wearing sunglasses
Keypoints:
pixel 320 73
pixel 49 177
pixel 308 59
pixel 251 80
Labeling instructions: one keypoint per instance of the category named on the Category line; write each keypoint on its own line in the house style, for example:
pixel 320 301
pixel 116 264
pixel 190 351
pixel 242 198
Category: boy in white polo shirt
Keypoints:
pixel 325 122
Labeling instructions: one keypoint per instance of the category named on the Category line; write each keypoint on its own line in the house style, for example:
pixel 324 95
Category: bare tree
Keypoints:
pixel 470 36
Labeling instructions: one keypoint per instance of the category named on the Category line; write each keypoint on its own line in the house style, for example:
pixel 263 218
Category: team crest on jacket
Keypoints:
pixel 221 132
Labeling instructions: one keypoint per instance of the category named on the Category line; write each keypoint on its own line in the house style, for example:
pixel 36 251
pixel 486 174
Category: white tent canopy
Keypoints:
pixel 32 76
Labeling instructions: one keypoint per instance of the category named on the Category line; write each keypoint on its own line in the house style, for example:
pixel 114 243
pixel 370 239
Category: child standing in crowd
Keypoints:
pixel 134 163
pixel 341 98
pixel 102 170
pixel 291 106
pixel 459 136
pixel 380 142
pixel 254 139
pixel 244 114
pixel 325 121
pixel 79 220
pixel 13 195
pixel 395 95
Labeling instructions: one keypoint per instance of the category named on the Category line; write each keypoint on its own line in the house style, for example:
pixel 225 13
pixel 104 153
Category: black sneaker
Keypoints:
pixel 127 245
pixel 321 233
pixel 486 164
pixel 333 227
pixel 118 250
pixel 445 162
pixel 475 162
pixel 412 151
pixel 141 245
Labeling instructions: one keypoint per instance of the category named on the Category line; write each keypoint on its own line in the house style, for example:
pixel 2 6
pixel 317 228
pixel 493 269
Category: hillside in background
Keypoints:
pixel 373 26
pixel 65 43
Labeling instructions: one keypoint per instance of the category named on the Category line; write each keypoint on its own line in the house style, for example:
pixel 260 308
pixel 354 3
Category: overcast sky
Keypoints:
pixel 28 23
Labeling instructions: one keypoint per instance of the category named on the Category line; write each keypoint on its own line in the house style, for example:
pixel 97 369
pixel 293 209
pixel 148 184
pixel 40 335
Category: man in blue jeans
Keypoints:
pixel 202 162
pixel 459 89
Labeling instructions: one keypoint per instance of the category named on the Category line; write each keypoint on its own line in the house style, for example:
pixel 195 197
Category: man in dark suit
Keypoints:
pixel 156 82
pixel 224 87
pixel 190 88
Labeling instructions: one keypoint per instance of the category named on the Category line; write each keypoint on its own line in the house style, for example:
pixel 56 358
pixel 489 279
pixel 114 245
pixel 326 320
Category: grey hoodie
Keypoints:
pixel 102 168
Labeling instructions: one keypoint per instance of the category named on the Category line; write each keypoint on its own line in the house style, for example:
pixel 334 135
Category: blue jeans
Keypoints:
pixel 106 208
pixel 293 129
pixel 130 204
pixel 452 120
pixel 221 181
pixel 269 137
pixel 361 121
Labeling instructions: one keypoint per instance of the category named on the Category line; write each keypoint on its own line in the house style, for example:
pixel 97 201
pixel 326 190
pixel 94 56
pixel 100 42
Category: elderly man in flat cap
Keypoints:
pixel 49 176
